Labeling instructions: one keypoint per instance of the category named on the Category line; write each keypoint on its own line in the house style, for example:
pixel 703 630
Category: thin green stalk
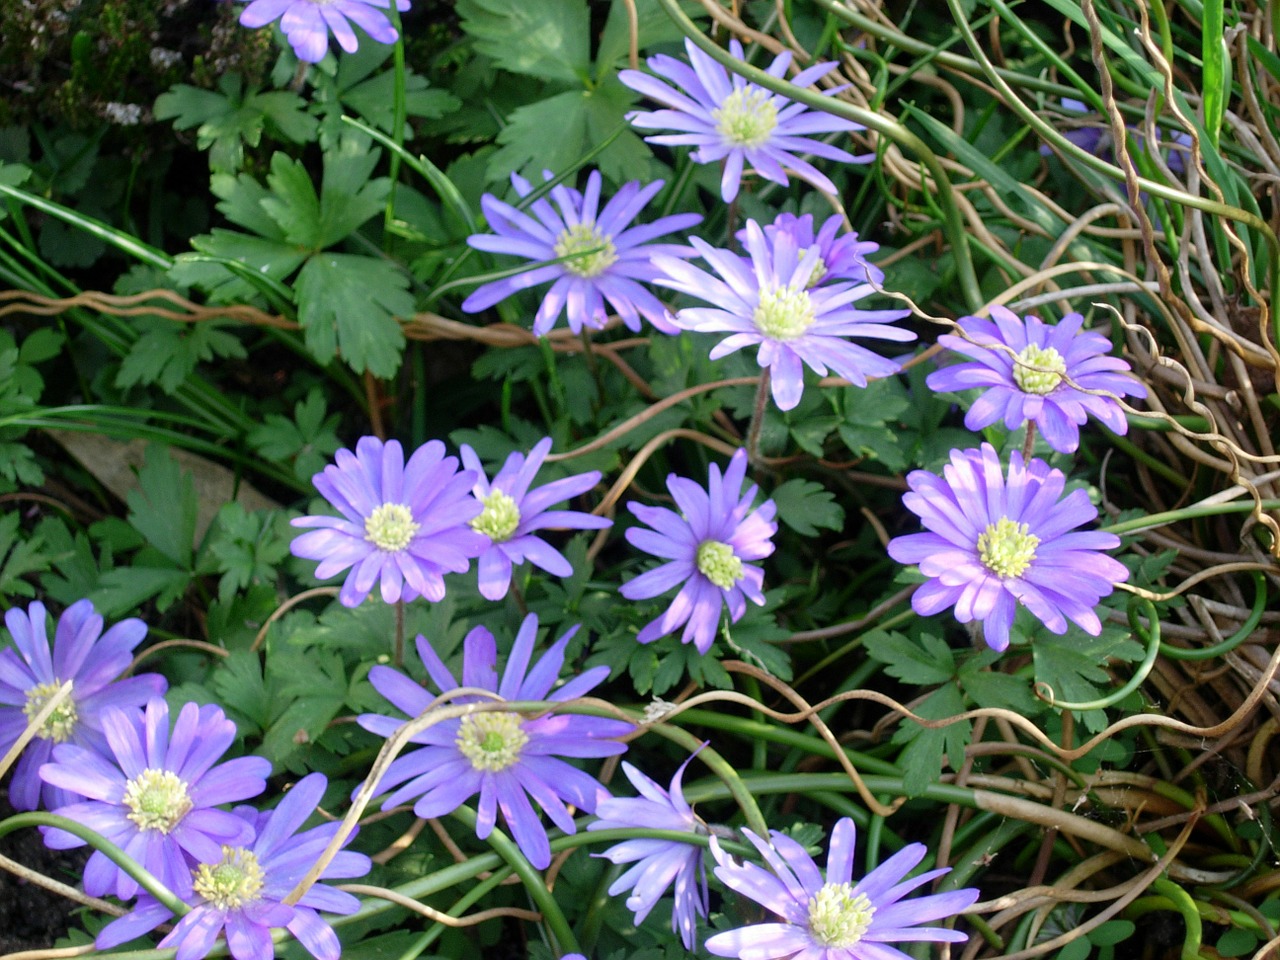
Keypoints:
pixel 1153 520
pixel 1240 636
pixel 534 884
pixel 1152 635
pixel 398 111
pixel 728 775
pixel 145 879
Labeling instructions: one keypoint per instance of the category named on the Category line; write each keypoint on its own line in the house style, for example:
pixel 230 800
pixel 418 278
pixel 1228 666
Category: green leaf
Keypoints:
pixel 268 258
pixel 347 197
pixel 547 39
pixel 229 119
pixel 163 508
pixel 922 758
pixel 1071 665
pixel 167 352
pixel 804 506
pixel 312 687
pixel 127 588
pixel 524 141
pixel 242 690
pixel 245 547
pixel 1237 943
pixel 349 304
pixel 925 663
pixel 654 25
pixel 307 441
pixel 374 99
pixel 18 558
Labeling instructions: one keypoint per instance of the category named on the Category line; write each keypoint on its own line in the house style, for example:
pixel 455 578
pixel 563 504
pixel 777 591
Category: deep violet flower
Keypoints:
pixel 243 889
pixel 727 118
pixel 505 757
pixel 601 256
pixel 513 514
pixel 705 546
pixel 768 300
pixel 308 23
pixel 840 257
pixel 154 792
pixel 833 918
pixel 657 864
pixel 993 544
pixel 31 673
pixel 1034 371
pixel 403 523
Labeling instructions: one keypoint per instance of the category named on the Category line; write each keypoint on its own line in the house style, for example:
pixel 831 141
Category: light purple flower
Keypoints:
pixel 505 757
pixel 839 257
pixel 513 513
pixel 727 118
pixel 833 918
pixel 704 545
pixel 242 890
pixel 607 259
pixel 403 523
pixel 657 863
pixel 994 544
pixel 154 794
pixel 1042 376
pixel 308 23
pixel 768 300
pixel 31 673
pixel 1095 138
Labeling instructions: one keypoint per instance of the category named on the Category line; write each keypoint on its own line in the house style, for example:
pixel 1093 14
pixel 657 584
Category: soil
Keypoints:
pixel 31 917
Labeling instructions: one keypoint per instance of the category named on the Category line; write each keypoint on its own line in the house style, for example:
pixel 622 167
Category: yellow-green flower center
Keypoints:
pixel 783 313
pixel 491 741
pixel 837 919
pixel 232 882
pixel 500 517
pixel 747 117
pixel 819 271
pixel 1007 548
pixel 60 724
pixel 1039 371
pixel 390 527
pixel 718 563
pixel 157 800
pixel 590 251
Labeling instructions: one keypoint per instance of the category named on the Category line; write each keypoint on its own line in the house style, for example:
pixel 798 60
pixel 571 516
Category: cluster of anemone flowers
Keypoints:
pixel 1002 533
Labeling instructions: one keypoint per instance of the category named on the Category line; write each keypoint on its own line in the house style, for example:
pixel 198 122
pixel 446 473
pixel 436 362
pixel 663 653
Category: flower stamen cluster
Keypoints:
pixel 747 117
pixel 157 800
pixel 1007 547
pixel 491 741
pixel 837 918
pixel 718 563
pixel 784 313
pixel 390 527
pixel 586 250
pixel 232 882
pixel 61 723
pixel 1039 370
pixel 500 517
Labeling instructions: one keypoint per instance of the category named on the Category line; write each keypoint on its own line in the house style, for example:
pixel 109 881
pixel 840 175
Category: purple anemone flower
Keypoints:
pixel 242 890
pixel 601 257
pixel 154 794
pixel 727 118
pixel 1094 136
pixel 513 513
pixel 704 545
pixel 1034 371
pixel 403 523
pixel 831 917
pixel 31 673
pixel 657 864
pixel 993 544
pixel 505 757
pixel 839 257
pixel 769 300
pixel 308 23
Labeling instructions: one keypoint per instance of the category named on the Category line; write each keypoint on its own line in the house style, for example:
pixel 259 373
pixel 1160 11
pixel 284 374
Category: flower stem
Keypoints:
pixel 552 915
pixel 757 416
pixel 1029 444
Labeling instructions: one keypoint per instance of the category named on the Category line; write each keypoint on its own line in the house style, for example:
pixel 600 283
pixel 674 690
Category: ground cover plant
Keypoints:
pixel 638 479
